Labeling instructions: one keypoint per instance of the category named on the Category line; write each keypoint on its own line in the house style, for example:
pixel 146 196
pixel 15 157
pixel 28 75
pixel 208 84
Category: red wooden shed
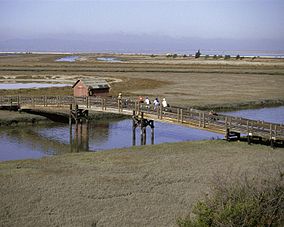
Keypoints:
pixel 91 88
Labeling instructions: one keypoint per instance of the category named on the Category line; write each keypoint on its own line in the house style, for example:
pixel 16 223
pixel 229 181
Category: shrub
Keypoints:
pixel 243 202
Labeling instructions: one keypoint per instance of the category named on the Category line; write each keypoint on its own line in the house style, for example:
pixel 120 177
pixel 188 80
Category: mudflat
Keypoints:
pixel 139 186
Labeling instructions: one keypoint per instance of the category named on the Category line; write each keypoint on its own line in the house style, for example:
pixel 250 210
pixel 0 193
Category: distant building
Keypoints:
pixel 95 87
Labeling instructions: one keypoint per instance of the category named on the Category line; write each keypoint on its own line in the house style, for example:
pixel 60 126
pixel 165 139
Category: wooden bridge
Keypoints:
pixel 230 126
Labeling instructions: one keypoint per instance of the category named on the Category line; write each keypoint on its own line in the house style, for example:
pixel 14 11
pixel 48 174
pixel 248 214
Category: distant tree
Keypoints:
pixel 238 57
pixel 184 55
pixel 215 56
pixel 207 56
pixel 197 54
pixel 227 57
pixel 220 56
pixel 152 55
pixel 175 55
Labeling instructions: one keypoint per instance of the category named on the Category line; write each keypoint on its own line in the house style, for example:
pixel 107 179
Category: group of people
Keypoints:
pixel 147 102
pixel 156 103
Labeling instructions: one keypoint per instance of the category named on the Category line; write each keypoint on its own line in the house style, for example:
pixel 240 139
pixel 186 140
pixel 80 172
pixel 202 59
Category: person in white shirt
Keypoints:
pixel 156 103
pixel 164 103
pixel 147 102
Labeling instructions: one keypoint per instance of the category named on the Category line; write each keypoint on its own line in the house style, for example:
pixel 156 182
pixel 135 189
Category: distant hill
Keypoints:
pixel 135 44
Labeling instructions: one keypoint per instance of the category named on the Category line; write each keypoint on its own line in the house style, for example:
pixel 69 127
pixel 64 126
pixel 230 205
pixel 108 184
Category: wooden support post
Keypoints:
pixel 102 102
pixel 87 102
pixel 203 119
pixel 227 134
pixel 181 116
pixel 272 144
pixel 177 114
pixel 141 129
pixel 133 129
pixel 87 135
pixel 152 134
pixel 138 107
pixel 199 119
pixel 18 101
pixel 144 135
pixel 249 139
pixel 238 136
pixel 161 112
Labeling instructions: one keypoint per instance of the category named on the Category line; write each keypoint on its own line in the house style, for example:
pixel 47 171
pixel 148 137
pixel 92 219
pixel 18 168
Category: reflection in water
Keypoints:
pixel 55 138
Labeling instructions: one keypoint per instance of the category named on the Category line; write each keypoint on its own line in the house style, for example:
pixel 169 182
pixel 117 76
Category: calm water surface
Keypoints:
pixel 109 59
pixel 68 59
pixel 54 138
pixel 273 114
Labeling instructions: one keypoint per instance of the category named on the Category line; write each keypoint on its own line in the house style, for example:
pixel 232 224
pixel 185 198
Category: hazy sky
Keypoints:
pixel 208 19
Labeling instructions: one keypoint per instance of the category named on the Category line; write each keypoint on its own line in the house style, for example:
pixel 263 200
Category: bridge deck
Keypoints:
pixel 175 115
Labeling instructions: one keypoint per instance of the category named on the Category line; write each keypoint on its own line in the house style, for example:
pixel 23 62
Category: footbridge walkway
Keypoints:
pixel 230 126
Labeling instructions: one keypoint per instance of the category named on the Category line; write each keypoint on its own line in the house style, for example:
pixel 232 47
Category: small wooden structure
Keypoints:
pixel 95 87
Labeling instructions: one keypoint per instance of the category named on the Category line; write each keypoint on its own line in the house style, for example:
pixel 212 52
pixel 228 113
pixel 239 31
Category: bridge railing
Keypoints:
pixel 183 115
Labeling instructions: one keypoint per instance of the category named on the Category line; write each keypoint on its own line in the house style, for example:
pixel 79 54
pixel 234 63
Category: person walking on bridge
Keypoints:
pixel 156 103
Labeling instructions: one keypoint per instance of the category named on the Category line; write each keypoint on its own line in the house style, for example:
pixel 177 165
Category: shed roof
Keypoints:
pixel 94 84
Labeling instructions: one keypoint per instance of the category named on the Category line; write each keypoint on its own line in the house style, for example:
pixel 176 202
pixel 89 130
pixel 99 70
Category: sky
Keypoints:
pixel 173 20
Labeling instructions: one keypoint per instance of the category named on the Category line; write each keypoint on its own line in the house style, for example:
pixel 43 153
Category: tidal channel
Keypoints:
pixel 55 138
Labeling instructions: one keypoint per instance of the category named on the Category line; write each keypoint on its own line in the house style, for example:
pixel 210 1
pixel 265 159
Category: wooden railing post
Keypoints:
pixel 177 114
pixel 87 102
pixel 181 116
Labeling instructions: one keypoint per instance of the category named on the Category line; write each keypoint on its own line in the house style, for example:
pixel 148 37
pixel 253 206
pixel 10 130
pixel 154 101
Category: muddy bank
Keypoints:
pixel 11 118
pixel 32 116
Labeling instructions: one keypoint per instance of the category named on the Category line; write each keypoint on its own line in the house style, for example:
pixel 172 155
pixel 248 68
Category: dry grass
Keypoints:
pixel 183 81
pixel 142 186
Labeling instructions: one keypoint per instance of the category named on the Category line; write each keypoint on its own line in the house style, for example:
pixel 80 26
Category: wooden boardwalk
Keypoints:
pixel 230 126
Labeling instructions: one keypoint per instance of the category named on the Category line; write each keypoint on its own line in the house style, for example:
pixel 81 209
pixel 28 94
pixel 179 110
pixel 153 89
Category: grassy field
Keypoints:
pixel 183 81
pixel 140 186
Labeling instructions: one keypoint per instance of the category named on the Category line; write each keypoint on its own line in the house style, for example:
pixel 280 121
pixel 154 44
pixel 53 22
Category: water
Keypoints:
pixel 29 85
pixel 54 138
pixel 113 60
pixel 68 59
pixel 273 114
